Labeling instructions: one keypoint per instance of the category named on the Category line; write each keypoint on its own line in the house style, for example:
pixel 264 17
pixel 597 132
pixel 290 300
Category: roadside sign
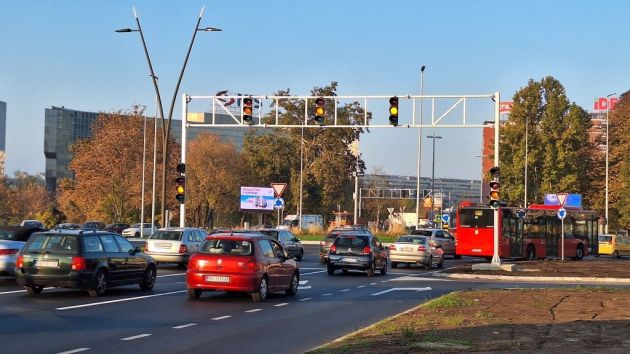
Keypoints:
pixel 278 189
pixel 521 213
pixel 562 197
pixel 562 213
pixel 391 210
pixel 445 218
pixel 278 203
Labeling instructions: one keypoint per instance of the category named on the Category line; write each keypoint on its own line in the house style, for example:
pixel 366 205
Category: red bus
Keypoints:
pixel 535 235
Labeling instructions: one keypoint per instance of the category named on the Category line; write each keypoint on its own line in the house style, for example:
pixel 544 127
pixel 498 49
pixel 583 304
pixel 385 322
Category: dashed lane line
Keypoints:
pixel 360 286
pixel 74 351
pixel 119 300
pixel 282 304
pixel 306 299
pixel 327 294
pixel 320 271
pixel 185 325
pixel 253 310
pixel 344 290
pixel 136 337
pixel 220 318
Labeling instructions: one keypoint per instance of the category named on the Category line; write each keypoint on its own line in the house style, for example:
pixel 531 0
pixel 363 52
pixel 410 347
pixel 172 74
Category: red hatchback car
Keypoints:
pixel 252 263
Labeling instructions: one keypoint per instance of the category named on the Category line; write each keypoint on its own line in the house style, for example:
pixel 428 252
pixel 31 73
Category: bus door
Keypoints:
pixel 552 235
pixel 512 230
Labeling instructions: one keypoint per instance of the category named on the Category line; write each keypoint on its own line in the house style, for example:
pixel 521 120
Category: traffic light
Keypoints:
pixel 180 188
pixel 248 110
pixel 319 111
pixel 181 168
pixel 494 196
pixel 393 111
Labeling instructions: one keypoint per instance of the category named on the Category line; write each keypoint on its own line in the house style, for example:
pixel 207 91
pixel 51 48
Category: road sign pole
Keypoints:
pixel 562 228
pixel 496 260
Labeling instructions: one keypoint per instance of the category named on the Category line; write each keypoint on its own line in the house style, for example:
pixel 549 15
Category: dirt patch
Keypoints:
pixel 601 268
pixel 505 321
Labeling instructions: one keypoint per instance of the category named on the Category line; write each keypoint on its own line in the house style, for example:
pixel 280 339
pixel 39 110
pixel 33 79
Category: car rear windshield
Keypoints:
pixel 66 244
pixel 167 235
pixel 423 232
pixel 351 241
pixel 411 239
pixel 605 238
pixel 225 246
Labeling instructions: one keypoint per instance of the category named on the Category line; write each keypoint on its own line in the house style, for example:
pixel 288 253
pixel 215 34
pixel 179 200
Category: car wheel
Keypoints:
pixel 300 256
pixel 148 281
pixel 531 253
pixel 100 284
pixel 370 271
pixel 579 253
pixel 384 269
pixel 441 264
pixel 331 270
pixel 263 292
pixel 429 265
pixel 136 235
pixel 34 290
pixel 194 293
pixel 394 265
pixel 616 254
pixel 293 287
pixel 344 271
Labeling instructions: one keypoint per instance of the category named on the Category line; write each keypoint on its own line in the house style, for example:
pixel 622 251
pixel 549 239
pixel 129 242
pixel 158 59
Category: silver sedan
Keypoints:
pixel 414 249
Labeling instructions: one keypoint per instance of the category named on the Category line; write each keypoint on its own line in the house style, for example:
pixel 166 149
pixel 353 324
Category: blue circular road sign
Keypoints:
pixel 562 213
pixel 278 203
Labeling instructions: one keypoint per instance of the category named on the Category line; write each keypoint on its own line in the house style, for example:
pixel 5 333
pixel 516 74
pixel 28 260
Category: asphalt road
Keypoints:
pixel 164 320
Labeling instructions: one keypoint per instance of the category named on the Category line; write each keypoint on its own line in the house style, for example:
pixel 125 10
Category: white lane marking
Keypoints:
pixel 306 299
pixel 220 318
pixel 327 294
pixel 321 271
pixel 303 285
pixel 360 286
pixel 253 310
pixel 18 291
pixel 373 283
pixel 119 300
pixel 409 278
pixel 384 281
pixel 309 268
pixel 136 337
pixel 303 282
pixel 396 289
pixel 74 351
pixel 282 304
pixel 344 290
pixel 185 325
pixel 170 275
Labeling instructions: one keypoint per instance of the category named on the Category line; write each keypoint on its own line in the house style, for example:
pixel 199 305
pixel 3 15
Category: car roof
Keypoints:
pixel 78 232
pixel 178 228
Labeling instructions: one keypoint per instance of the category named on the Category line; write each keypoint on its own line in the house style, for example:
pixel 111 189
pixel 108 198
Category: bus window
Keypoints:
pixel 476 218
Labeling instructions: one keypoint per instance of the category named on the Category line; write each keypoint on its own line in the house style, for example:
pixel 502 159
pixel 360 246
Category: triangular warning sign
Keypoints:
pixel 278 188
pixel 562 197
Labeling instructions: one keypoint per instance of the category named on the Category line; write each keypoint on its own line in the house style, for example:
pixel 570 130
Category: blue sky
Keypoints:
pixel 65 53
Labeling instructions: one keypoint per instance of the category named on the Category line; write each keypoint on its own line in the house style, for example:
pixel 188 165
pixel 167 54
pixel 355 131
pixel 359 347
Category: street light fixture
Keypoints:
pixel 419 150
pixel 166 125
pixel 433 175
pixel 607 111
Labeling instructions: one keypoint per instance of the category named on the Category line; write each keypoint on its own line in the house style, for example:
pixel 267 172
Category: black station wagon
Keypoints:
pixel 90 260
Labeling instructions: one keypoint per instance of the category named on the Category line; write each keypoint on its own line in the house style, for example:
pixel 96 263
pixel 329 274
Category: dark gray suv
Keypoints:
pixel 357 251
pixel 324 245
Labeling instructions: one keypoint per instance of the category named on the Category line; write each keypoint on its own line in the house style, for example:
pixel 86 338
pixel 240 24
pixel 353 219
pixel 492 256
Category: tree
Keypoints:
pixel 212 179
pixel 559 151
pixel 619 168
pixel 26 197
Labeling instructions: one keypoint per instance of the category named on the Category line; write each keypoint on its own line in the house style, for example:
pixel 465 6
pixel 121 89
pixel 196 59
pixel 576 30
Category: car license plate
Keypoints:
pixel 163 245
pixel 217 279
pixel 46 263
pixel 407 249
pixel 349 260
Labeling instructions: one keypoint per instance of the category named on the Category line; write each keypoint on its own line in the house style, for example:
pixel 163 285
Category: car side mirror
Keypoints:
pixel 134 251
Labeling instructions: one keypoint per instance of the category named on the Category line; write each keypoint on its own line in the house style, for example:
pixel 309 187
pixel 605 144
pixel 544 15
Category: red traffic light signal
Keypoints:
pixel 180 189
pixel 248 110
pixel 320 111
pixel 393 111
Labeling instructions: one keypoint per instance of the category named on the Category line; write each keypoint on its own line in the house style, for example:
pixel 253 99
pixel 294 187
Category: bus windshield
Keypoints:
pixel 476 218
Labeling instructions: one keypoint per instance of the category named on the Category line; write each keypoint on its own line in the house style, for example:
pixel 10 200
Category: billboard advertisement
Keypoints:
pixel 572 201
pixel 256 199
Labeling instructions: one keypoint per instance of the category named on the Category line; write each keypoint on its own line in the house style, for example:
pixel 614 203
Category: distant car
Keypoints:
pixel 32 223
pixel 67 226
pixel 291 244
pixel 615 245
pixel 415 249
pixel 174 244
pixel 324 244
pixel 134 230
pixel 89 260
pixel 357 251
pixel 117 228
pixel 12 239
pixel 252 263
pixel 440 237
pixel 93 225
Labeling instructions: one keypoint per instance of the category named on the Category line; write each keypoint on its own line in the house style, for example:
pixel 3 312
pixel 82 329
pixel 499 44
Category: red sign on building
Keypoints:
pixel 505 107
pixel 605 103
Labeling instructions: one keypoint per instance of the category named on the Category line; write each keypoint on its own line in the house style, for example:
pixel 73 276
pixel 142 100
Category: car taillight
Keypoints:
pixel 20 261
pixel 8 252
pixel 247 265
pixel 183 249
pixel 422 248
pixel 333 249
pixel 392 247
pixel 367 250
pixel 78 263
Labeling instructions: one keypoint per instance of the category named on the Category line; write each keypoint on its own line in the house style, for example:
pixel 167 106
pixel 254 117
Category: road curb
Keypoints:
pixel 623 281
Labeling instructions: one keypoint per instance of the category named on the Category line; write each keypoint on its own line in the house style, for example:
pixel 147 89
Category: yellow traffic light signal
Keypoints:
pixel 319 111
pixel 180 188
pixel 248 110
pixel 393 111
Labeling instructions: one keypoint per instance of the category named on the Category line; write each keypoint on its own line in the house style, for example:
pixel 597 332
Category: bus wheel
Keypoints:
pixel 579 252
pixel 531 253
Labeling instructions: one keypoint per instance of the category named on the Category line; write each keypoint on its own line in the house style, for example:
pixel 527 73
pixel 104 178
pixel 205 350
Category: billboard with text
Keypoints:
pixel 256 199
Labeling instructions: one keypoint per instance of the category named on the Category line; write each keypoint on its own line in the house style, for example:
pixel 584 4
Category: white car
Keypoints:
pixel 174 244
pixel 134 230
pixel 12 239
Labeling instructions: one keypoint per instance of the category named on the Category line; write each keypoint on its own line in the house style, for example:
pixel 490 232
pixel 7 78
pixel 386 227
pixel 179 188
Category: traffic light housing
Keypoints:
pixel 248 110
pixel 181 168
pixel 180 188
pixel 494 196
pixel 393 111
pixel 320 111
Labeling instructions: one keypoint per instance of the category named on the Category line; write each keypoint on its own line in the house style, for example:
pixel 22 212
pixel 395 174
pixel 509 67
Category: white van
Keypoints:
pixel 308 221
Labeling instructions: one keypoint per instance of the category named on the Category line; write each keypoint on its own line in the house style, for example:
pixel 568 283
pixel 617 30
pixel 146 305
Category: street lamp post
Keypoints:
pixel 419 149
pixel 433 175
pixel 526 150
pixel 607 123
pixel 481 180
pixel 166 125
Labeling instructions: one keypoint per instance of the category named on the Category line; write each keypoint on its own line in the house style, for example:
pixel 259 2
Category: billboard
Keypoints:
pixel 572 201
pixel 256 199
pixel 605 103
